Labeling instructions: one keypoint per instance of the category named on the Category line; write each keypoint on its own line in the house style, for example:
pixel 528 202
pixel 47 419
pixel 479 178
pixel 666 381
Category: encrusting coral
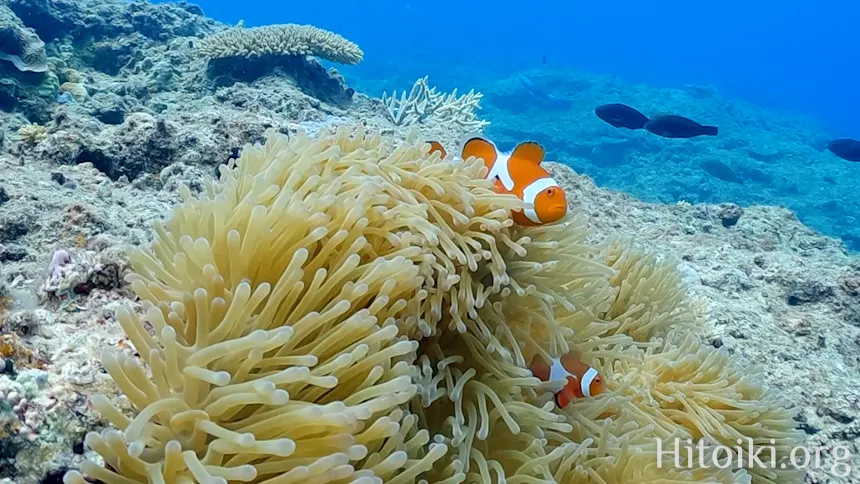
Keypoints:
pixel 284 39
pixel 339 309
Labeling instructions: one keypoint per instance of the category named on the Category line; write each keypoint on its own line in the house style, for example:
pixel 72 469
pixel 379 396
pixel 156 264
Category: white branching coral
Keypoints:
pixel 424 102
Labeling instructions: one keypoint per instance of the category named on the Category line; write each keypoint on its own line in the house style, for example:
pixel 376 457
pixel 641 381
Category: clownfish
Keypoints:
pixel 582 379
pixel 519 173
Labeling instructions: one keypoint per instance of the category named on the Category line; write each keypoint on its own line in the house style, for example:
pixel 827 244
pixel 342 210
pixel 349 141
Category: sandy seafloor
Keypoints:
pixel 777 294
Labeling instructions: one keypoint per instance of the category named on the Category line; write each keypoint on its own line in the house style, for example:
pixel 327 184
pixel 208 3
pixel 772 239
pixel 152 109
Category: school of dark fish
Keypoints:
pixel 665 125
pixel 674 126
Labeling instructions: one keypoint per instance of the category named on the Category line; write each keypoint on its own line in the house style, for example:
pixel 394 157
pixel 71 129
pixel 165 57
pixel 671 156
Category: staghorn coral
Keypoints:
pixel 342 310
pixel 424 102
pixel 285 39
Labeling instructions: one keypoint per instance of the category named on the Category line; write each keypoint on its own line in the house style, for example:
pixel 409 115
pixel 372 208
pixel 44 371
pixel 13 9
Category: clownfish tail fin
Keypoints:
pixel 529 151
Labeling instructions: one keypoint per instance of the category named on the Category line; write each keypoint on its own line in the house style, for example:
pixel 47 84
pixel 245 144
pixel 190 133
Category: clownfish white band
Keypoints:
pixel 557 371
pixel 530 194
pixel 587 378
pixel 500 171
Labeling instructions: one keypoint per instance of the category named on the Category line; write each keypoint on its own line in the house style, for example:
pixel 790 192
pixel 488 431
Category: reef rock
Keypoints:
pixel 20 45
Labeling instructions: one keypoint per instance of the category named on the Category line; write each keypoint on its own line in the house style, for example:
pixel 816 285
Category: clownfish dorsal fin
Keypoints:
pixel 575 352
pixel 540 367
pixel 437 146
pixel 572 358
pixel 479 147
pixel 529 151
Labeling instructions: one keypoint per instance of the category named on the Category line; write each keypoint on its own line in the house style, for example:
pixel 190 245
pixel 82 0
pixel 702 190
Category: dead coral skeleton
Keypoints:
pixel 58 260
pixel 25 402
pixel 80 272
pixel 424 102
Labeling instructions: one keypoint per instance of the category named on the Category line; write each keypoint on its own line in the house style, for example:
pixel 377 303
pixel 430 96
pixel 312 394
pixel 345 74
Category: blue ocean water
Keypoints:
pixel 778 78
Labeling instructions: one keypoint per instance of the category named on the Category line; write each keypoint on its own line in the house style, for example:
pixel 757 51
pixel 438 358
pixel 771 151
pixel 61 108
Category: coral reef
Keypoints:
pixel 5 297
pixel 129 112
pixel 25 83
pixel 241 54
pixel 76 89
pixel 126 84
pixel 741 274
pixel 100 20
pixel 313 328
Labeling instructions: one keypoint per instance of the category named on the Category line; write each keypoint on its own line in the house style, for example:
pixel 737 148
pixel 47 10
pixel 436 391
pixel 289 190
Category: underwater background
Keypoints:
pixel 778 78
pixel 408 299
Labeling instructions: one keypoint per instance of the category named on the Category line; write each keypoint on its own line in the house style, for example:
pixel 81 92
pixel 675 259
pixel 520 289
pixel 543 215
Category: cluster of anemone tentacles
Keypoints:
pixel 342 309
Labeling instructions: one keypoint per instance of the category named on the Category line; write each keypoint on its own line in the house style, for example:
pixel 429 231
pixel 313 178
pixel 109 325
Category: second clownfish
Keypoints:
pixel 582 380
pixel 519 173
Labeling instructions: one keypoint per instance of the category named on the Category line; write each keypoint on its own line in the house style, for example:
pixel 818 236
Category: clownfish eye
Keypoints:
pixel 550 191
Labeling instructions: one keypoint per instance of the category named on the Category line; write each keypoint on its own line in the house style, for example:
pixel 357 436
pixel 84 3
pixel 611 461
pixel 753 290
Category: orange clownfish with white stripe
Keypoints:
pixel 582 379
pixel 519 173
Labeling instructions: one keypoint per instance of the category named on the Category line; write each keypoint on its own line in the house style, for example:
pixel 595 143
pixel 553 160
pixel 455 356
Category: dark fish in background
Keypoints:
pixel 846 148
pixel 718 169
pixel 541 93
pixel 621 116
pixel 674 126
pixel 753 174
pixel 543 60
